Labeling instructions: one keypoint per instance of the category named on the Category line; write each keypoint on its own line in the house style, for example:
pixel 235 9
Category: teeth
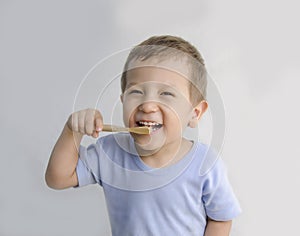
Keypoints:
pixel 153 125
pixel 146 123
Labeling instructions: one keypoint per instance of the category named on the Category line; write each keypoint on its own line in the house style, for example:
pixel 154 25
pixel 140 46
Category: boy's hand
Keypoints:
pixel 88 121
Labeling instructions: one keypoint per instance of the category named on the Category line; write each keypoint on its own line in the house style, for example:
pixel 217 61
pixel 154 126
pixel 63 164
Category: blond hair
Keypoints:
pixel 172 47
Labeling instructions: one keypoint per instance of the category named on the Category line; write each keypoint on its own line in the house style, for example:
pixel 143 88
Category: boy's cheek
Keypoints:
pixel 129 107
pixel 182 110
pixel 128 113
pixel 126 117
pixel 129 102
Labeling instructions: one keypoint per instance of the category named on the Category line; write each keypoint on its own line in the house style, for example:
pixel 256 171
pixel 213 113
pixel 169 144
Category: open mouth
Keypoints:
pixel 153 125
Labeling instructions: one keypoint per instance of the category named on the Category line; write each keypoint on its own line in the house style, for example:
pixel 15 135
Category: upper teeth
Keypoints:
pixel 146 123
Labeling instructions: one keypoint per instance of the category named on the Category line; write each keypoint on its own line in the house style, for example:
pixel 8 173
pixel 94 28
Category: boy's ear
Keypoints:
pixel 198 111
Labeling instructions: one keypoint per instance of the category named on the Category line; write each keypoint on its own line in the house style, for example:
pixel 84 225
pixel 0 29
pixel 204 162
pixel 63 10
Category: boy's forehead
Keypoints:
pixel 149 75
pixel 178 66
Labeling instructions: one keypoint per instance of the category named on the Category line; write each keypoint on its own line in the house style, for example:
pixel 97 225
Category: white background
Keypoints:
pixel 251 50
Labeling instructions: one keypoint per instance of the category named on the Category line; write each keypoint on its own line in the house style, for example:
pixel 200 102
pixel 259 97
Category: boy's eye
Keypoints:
pixel 167 94
pixel 135 91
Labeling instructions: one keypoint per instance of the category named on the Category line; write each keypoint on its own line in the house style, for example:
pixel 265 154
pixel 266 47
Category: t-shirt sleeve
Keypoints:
pixel 219 200
pixel 88 166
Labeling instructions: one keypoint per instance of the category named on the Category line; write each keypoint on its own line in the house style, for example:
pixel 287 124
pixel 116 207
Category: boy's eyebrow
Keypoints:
pixel 131 84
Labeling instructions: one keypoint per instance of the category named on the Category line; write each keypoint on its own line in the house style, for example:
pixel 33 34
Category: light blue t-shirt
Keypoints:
pixel 142 201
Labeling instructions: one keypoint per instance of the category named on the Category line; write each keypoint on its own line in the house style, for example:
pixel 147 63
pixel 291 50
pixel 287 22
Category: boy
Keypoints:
pixel 152 183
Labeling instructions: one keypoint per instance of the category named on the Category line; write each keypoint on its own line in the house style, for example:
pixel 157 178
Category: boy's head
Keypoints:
pixel 163 86
pixel 184 57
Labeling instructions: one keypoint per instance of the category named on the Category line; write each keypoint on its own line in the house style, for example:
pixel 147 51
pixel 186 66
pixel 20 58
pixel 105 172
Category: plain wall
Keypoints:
pixel 251 51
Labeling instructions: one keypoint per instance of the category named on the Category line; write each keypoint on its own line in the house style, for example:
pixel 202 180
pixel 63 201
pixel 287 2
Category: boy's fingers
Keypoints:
pixel 81 122
pixel 98 121
pixel 89 122
pixel 98 124
pixel 74 121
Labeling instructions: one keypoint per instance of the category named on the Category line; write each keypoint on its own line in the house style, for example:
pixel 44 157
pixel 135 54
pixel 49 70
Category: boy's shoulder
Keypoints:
pixel 206 159
pixel 210 159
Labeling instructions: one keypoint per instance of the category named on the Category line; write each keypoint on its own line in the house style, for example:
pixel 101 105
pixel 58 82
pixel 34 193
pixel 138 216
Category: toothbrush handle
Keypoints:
pixel 113 128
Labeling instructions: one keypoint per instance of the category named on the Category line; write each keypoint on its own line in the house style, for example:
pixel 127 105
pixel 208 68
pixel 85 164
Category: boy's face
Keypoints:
pixel 159 98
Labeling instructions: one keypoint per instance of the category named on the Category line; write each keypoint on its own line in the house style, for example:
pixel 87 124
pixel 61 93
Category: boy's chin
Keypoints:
pixel 146 145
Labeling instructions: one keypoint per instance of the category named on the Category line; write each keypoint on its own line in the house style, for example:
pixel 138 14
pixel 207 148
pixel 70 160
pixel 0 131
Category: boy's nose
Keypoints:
pixel 148 107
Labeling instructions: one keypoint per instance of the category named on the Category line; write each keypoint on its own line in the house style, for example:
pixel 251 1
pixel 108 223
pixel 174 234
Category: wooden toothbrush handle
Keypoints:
pixel 113 128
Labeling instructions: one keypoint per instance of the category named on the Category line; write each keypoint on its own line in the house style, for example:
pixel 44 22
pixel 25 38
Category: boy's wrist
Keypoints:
pixel 74 137
pixel 69 130
pixel 69 124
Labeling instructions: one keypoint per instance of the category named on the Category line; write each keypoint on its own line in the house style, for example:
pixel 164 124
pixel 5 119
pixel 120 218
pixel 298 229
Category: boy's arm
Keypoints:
pixel 62 164
pixel 61 170
pixel 217 228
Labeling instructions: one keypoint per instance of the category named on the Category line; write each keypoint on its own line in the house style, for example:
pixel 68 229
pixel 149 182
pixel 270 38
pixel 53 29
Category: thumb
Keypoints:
pixel 98 121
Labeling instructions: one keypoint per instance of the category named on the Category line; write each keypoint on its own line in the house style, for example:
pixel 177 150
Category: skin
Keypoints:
pixel 158 95
pixel 217 228
pixel 152 94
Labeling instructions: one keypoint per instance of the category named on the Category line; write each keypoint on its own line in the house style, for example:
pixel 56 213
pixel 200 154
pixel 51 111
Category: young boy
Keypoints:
pixel 152 182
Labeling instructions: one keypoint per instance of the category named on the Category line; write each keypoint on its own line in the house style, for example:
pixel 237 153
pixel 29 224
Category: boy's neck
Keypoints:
pixel 168 154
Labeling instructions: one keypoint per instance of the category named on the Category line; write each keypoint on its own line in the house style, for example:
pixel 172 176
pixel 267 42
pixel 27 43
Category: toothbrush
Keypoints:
pixel 137 130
